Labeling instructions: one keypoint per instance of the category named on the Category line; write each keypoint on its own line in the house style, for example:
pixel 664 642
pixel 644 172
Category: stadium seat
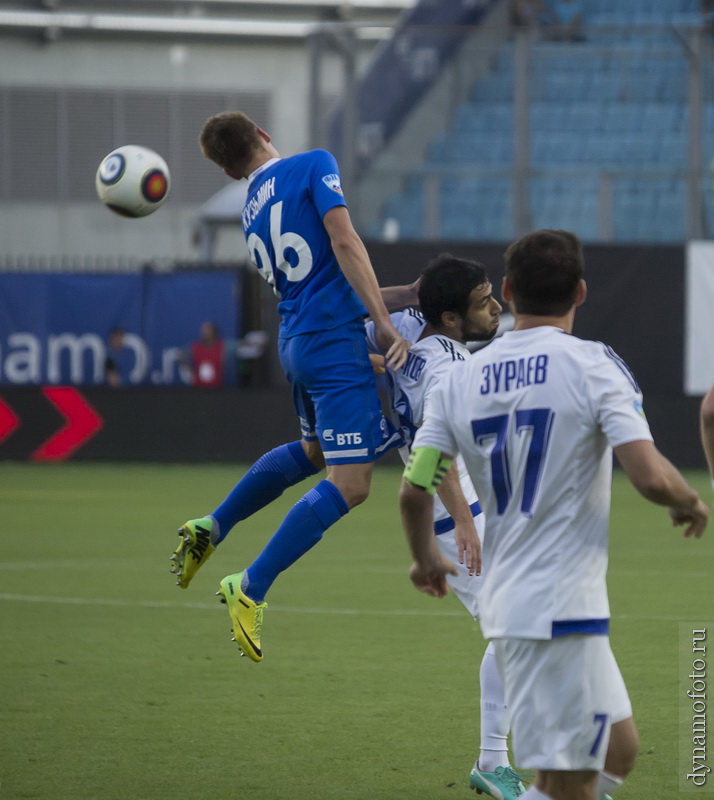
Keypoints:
pixel 662 117
pixel 615 104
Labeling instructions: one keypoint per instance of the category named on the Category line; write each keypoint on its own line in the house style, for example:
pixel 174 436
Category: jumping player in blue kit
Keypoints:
pixel 301 239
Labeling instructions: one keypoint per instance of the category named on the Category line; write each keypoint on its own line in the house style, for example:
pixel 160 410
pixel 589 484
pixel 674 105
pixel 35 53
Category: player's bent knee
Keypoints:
pixel 352 481
pixel 314 453
pixel 354 496
pixel 623 748
pixel 627 758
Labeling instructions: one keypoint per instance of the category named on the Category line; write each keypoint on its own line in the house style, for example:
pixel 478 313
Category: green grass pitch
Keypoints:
pixel 116 684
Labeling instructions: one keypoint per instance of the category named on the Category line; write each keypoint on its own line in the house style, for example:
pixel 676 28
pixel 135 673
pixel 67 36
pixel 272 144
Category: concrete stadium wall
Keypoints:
pixel 64 230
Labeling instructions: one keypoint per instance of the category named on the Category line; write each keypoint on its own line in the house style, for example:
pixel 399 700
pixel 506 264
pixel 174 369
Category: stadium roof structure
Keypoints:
pixel 226 205
pixel 344 6
pixel 215 19
pixel 221 210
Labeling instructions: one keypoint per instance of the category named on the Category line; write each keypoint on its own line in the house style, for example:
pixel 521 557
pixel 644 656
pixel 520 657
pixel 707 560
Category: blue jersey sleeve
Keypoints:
pixel 325 182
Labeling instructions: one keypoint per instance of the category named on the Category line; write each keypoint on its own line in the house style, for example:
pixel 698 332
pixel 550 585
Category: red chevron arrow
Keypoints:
pixel 82 422
pixel 9 421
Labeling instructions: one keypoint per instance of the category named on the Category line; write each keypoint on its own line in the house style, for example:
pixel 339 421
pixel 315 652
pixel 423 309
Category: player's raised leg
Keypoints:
pixel 300 531
pixel 194 549
pixel 346 419
pixel 264 482
pixel 246 615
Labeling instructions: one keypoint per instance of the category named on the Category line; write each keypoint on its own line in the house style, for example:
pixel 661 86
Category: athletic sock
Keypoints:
pixel 606 784
pixel 301 530
pixel 494 716
pixel 265 481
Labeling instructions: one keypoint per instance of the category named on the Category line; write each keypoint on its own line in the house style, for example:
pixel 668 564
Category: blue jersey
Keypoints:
pixel 282 222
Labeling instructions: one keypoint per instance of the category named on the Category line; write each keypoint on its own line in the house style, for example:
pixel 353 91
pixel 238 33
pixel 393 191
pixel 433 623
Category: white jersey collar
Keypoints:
pixel 538 330
pixel 438 335
pixel 261 168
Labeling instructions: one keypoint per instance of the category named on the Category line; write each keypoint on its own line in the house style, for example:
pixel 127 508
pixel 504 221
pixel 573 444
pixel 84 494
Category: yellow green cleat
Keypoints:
pixel 193 551
pixel 246 616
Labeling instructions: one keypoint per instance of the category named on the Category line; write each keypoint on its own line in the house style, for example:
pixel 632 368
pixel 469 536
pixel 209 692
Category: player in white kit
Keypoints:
pixel 536 416
pixel 706 427
pixel 456 306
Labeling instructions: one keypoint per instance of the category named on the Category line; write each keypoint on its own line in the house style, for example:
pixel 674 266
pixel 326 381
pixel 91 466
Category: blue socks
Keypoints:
pixel 301 530
pixel 265 481
pixel 304 524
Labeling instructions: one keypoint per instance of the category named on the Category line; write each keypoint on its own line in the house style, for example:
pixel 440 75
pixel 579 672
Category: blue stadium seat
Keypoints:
pixel 602 6
pixel 564 86
pixel 670 220
pixel 621 116
pixel 495 87
pixel 604 150
pixel 551 116
pixel 585 117
pixel 606 87
pixel 673 150
pixel 620 110
pixel 709 116
pixel 686 18
pixel 408 210
pixel 709 220
pixel 483 117
pixel 651 16
pixel 437 149
pixel 674 86
pixel 662 117
pixel 643 86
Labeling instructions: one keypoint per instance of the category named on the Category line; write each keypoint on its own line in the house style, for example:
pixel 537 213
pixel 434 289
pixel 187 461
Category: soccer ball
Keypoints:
pixel 133 181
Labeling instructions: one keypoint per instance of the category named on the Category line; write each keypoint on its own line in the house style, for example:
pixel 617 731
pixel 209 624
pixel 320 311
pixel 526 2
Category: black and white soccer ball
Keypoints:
pixel 133 181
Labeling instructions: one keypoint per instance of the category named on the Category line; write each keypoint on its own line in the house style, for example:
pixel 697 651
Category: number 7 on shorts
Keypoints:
pixel 601 720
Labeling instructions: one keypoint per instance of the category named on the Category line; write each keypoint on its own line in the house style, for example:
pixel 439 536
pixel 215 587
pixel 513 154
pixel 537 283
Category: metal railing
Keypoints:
pixel 664 186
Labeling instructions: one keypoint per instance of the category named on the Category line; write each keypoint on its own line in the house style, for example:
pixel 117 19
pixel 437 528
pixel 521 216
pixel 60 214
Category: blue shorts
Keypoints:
pixel 335 394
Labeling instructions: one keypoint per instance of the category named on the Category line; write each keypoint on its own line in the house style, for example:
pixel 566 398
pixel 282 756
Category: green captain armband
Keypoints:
pixel 426 468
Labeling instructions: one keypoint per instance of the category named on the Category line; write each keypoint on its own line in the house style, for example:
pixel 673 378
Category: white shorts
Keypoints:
pixel 563 695
pixel 464 586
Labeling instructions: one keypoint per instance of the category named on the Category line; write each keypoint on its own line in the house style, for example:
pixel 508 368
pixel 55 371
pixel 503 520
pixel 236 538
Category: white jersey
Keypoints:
pixel 429 359
pixel 535 415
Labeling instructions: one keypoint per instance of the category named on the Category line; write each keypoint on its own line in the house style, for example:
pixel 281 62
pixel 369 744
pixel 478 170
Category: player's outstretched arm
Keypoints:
pixel 660 482
pixel 397 297
pixel 467 541
pixel 354 261
pixel 706 419
pixel 429 570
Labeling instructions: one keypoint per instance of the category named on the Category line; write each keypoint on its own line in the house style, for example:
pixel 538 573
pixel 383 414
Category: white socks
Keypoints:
pixel 494 717
pixel 606 784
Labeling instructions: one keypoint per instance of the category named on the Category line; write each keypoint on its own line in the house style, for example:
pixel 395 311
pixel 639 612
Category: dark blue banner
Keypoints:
pixel 55 328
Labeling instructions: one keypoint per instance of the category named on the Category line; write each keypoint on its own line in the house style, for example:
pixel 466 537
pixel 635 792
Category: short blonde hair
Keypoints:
pixel 230 139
